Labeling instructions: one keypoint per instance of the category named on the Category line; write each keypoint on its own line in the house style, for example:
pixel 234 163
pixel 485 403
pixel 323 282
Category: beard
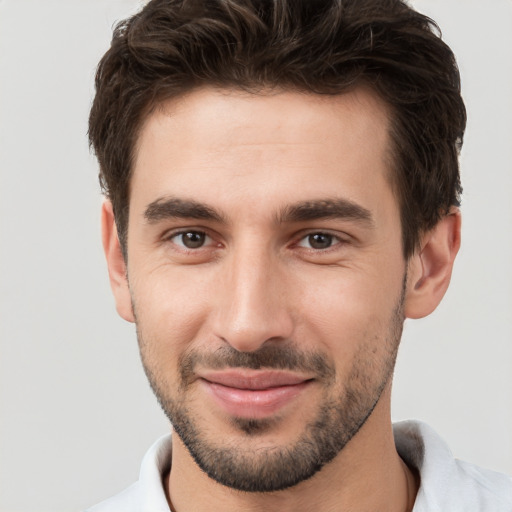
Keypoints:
pixel 345 407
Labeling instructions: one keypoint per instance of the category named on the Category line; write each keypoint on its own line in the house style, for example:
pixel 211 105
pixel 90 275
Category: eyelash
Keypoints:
pixel 174 235
pixel 334 240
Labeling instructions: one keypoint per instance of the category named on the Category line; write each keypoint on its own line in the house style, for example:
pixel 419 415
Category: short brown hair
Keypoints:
pixel 320 46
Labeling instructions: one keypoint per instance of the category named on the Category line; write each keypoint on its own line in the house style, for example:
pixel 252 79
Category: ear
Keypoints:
pixel 116 264
pixel 430 268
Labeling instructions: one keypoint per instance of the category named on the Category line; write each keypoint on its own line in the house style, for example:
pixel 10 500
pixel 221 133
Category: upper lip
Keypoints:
pixel 252 379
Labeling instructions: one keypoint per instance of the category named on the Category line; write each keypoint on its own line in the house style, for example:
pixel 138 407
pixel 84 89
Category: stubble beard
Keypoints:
pixel 341 415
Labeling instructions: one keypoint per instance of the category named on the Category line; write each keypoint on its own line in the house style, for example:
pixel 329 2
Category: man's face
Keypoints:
pixel 266 274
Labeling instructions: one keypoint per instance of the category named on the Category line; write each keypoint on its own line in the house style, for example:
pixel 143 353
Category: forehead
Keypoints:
pixel 277 147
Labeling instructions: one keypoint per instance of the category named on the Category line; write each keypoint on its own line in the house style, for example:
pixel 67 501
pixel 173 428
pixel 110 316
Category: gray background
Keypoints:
pixel 76 413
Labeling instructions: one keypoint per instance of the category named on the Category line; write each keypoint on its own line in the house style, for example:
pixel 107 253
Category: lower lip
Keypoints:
pixel 253 404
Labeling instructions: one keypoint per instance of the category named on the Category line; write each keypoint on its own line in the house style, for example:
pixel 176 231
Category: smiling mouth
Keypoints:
pixel 253 394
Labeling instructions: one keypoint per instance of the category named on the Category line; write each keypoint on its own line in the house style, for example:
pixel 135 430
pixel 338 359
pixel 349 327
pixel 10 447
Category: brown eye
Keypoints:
pixel 317 241
pixel 190 239
pixel 320 241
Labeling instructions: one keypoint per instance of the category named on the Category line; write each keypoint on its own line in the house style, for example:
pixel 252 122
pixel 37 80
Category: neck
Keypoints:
pixel 368 474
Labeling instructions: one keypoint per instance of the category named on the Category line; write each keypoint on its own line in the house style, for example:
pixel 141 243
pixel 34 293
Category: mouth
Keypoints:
pixel 253 394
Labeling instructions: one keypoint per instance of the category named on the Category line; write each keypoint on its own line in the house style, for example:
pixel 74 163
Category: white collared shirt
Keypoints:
pixel 447 484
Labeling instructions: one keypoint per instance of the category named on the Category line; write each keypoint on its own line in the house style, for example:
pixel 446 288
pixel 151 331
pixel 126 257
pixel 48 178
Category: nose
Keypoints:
pixel 253 305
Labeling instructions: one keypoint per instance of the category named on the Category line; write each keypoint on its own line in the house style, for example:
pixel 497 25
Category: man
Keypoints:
pixel 282 192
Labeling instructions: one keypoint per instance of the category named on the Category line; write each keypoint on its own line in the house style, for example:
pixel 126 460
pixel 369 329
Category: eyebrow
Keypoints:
pixel 174 208
pixel 327 209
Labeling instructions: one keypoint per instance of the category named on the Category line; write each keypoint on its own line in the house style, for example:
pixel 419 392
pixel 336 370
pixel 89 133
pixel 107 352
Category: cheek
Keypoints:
pixel 170 308
pixel 346 311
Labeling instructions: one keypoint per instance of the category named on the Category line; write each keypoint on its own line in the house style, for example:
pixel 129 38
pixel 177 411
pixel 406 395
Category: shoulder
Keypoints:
pixel 485 487
pixel 147 494
pixel 448 483
pixel 128 500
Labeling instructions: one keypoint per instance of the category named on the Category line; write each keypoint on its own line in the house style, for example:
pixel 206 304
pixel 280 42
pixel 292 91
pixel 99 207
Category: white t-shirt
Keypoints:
pixel 447 484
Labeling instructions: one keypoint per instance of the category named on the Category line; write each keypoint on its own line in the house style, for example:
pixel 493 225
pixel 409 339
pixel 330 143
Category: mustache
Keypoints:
pixel 275 357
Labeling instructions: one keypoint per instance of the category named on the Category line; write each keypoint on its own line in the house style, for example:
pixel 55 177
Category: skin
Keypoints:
pixel 258 282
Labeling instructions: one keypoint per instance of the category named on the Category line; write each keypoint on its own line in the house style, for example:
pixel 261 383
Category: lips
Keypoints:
pixel 253 393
